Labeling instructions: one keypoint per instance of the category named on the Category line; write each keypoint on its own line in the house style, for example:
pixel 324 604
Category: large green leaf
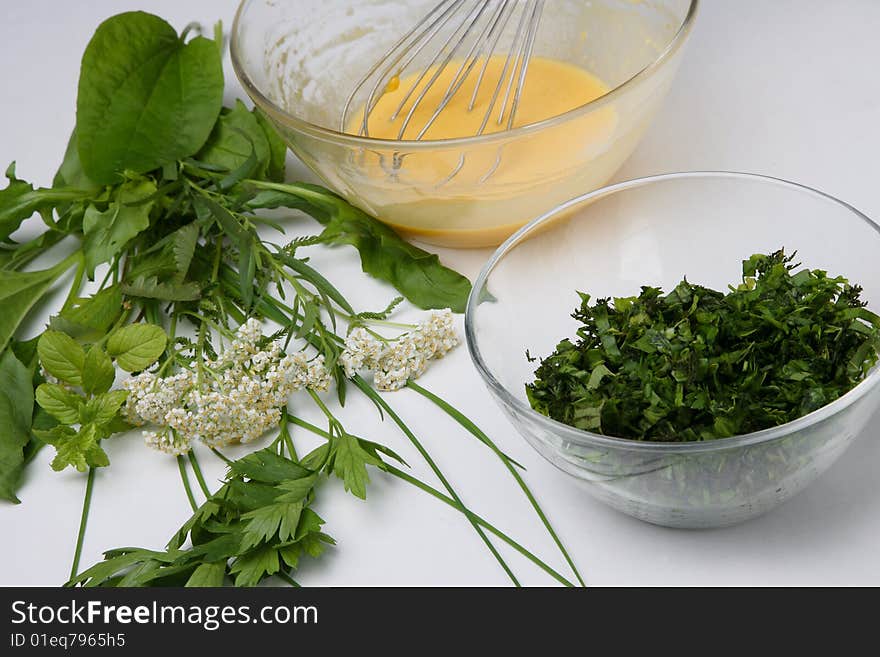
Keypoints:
pixel 145 97
pixel 70 173
pixel 236 138
pixel 16 412
pixel 417 274
pixel 19 292
pixel 277 148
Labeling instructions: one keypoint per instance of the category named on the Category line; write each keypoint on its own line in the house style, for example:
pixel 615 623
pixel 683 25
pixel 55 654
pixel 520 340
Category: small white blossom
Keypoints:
pixel 395 362
pixel 166 441
pixel 48 378
pixel 236 398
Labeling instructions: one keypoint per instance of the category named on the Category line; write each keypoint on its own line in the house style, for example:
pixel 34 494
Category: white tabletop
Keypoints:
pixel 787 88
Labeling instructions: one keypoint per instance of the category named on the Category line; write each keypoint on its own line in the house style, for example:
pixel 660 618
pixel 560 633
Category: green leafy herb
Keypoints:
pixel 58 402
pixel 697 364
pixel 62 357
pixel 145 96
pixel 106 233
pixel 256 525
pixel 417 274
pixel 83 404
pixel 159 193
pixel 137 346
pixel 16 412
pixel 90 319
pixel 20 291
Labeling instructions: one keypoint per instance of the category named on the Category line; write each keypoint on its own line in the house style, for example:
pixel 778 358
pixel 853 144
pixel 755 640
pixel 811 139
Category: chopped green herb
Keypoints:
pixel 697 364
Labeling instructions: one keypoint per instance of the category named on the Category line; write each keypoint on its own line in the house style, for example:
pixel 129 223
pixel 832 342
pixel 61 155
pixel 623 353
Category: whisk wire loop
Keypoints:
pixel 469 30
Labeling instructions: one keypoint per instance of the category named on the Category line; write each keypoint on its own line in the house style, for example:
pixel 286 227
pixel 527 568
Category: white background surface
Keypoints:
pixel 787 88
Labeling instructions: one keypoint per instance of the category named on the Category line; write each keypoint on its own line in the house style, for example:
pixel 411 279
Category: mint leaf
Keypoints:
pixel 103 409
pixel 137 346
pixel 79 449
pixel 98 371
pixel 62 357
pixel 106 233
pixel 145 97
pixel 16 413
pixel 59 402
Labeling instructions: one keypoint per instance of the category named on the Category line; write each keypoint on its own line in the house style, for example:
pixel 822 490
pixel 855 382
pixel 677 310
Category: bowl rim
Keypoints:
pixel 312 129
pixel 588 438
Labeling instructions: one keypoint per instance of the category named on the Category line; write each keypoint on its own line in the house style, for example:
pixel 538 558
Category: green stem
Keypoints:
pixel 448 500
pixel 285 436
pixel 83 521
pixel 287 578
pixel 400 474
pixel 123 319
pixel 198 472
pixel 27 252
pixel 114 264
pixel 459 417
pixel 221 456
pixel 181 463
pixel 75 286
pixel 377 398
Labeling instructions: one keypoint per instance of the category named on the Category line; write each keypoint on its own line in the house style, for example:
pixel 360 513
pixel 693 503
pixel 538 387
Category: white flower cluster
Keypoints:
pixel 394 362
pixel 235 398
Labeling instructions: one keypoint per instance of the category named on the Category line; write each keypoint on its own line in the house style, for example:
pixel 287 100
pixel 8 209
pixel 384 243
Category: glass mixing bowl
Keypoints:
pixel 654 231
pixel 300 59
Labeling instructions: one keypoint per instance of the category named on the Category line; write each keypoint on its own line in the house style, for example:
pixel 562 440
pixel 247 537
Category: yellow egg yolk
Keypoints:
pixel 459 184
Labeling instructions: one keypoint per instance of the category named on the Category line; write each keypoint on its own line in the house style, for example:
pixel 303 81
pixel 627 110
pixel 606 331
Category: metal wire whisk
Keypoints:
pixel 466 30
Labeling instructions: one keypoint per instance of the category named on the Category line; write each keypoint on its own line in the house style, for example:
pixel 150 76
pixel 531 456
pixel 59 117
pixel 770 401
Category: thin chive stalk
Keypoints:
pixel 473 517
pixel 459 417
pixel 83 521
pixel 221 456
pixel 181 464
pixel 283 315
pixel 76 285
pixel 198 472
pixel 284 435
pixel 377 398
pixel 447 500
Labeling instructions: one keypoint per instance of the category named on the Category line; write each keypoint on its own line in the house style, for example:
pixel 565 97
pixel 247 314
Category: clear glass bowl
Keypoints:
pixel 654 231
pixel 300 59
